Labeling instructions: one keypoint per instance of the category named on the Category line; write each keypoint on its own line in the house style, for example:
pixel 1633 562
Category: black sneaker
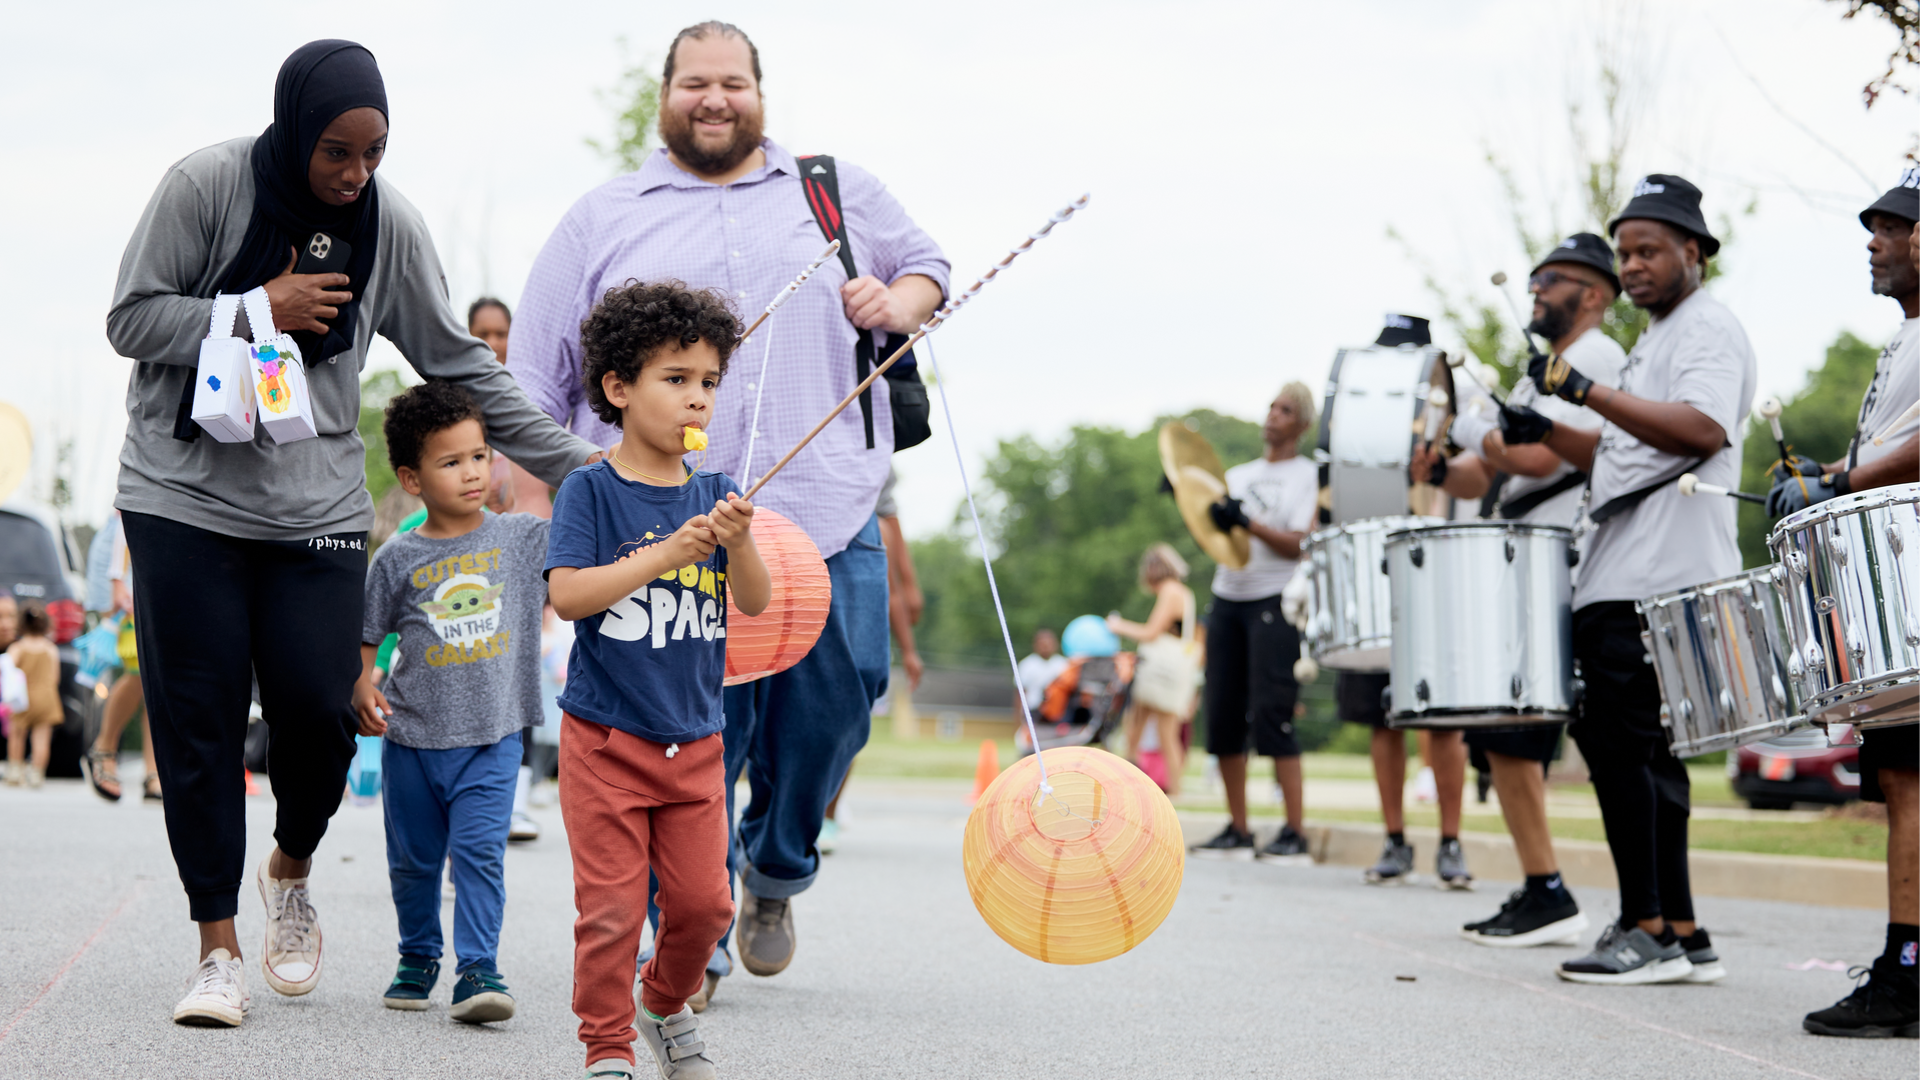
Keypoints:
pixel 1395 866
pixel 1289 848
pixel 1885 1006
pixel 1530 917
pixel 1706 963
pixel 1450 865
pixel 412 983
pixel 480 997
pixel 1230 844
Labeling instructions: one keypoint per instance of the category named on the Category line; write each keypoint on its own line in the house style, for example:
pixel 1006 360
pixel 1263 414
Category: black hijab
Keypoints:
pixel 320 81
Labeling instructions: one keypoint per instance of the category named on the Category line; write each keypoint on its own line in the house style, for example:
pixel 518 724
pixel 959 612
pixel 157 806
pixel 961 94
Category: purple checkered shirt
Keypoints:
pixel 747 239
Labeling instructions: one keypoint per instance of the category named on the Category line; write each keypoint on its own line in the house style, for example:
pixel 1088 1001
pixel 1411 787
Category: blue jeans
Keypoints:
pixel 795 734
pixel 458 801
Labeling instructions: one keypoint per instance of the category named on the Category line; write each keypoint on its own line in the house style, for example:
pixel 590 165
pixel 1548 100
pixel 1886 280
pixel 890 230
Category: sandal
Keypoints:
pixel 152 789
pixel 103 772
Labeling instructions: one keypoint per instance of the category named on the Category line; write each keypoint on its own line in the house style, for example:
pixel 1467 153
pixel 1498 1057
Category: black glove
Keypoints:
pixel 1553 375
pixel 1436 473
pixel 1520 425
pixel 1227 513
pixel 1796 493
pixel 1797 465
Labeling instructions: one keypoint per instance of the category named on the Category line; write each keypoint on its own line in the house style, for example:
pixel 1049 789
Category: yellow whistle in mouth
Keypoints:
pixel 695 438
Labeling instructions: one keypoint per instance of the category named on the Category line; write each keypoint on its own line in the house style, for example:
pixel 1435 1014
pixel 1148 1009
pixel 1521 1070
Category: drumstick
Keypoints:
pixel 1499 280
pixel 1913 410
pixel 1691 485
pixel 926 328
pixel 1459 363
pixel 792 287
pixel 1769 410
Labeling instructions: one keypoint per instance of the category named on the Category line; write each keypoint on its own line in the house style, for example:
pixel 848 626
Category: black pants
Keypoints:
pixel 1250 655
pixel 1644 793
pixel 210 612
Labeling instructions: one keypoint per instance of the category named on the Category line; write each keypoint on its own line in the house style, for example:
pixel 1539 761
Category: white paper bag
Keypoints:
pixel 279 376
pixel 223 402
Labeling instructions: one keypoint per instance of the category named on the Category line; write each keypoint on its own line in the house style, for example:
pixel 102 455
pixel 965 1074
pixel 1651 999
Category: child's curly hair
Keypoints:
pixel 632 323
pixel 415 414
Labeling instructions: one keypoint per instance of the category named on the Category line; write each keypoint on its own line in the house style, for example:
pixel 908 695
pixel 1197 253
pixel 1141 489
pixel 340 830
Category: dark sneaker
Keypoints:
pixel 1450 865
pixel 1529 918
pixel 479 997
pixel 1395 866
pixel 1629 958
pixel 1230 844
pixel 1885 1006
pixel 765 933
pixel 676 1045
pixel 1706 963
pixel 1288 849
pixel 703 997
pixel 412 983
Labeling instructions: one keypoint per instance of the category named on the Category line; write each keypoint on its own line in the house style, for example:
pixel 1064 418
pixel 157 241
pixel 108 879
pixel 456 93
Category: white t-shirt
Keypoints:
pixel 1037 673
pixel 1599 358
pixel 1281 495
pixel 1895 387
pixel 1698 355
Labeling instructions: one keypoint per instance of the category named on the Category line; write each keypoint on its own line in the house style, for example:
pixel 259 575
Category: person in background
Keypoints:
pixel 1037 671
pixel 124 700
pixel 512 488
pixel 12 682
pixel 37 658
pixel 1162 698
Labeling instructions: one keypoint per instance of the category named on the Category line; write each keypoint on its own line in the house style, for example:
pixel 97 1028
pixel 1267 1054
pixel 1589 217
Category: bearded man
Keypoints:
pixel 723 207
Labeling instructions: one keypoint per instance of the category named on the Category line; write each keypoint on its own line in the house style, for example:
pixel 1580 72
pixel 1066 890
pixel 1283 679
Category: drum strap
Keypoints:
pixel 1620 504
pixel 1525 504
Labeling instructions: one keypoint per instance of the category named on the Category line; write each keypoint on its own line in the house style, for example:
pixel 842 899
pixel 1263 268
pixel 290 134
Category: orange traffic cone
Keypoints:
pixel 987 771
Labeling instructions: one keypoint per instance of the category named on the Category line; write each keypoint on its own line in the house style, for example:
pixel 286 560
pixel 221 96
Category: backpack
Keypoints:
pixel 906 394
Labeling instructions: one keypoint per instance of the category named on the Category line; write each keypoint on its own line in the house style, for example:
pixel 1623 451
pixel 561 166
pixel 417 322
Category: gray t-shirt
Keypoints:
pixel 1895 387
pixel 1697 355
pixel 467 669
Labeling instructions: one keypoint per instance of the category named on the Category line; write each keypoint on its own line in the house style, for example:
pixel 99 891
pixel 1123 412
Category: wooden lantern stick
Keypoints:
pixel 926 328
pixel 792 287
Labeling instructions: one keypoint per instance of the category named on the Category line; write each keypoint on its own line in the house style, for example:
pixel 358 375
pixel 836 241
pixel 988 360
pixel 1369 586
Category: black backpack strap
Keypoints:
pixel 820 180
pixel 1523 505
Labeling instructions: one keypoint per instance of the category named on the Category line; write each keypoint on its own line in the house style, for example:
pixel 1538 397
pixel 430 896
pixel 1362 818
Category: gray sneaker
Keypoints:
pixel 1629 958
pixel 1450 863
pixel 765 933
pixel 610 1069
pixel 1395 866
pixel 676 1045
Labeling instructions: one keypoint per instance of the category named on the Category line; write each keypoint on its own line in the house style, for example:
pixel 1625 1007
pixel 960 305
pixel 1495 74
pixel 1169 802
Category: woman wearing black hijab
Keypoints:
pixel 253 555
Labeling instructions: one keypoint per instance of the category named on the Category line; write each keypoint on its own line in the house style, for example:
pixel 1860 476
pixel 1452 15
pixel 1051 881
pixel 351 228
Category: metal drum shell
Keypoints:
pixel 1482 625
pixel 1720 651
pixel 1350 613
pixel 1376 407
pixel 1847 568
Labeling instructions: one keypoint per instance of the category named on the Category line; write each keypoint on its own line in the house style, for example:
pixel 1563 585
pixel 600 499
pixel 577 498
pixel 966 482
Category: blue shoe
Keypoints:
pixel 479 997
pixel 412 983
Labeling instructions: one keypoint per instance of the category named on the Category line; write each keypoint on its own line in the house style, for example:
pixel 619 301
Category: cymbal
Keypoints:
pixel 16 448
pixel 1198 481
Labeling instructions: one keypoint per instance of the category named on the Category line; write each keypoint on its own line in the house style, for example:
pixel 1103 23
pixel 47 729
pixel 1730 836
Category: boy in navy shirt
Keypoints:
pixel 644 554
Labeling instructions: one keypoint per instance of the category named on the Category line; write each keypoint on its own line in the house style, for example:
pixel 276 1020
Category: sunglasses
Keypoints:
pixel 1547 279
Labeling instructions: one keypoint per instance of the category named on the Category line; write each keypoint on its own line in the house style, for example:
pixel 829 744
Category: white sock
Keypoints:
pixel 521 788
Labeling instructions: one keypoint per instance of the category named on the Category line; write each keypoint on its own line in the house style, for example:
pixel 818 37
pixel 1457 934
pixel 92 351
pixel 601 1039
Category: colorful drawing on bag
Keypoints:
pixel 465 612
pixel 213 383
pixel 274 394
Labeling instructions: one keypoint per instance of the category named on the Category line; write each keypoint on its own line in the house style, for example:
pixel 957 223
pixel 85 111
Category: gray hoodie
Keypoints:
pixel 162 305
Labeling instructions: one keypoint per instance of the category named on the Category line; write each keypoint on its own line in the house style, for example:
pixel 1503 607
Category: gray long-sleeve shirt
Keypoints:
pixel 162 304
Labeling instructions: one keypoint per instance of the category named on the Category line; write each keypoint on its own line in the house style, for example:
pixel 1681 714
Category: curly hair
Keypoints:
pixel 415 414
pixel 633 322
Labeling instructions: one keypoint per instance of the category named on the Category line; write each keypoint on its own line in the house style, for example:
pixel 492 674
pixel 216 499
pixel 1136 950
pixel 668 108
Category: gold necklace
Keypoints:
pixel 676 483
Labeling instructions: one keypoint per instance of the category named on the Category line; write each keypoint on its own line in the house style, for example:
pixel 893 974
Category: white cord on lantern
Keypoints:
pixel 993 587
pixel 759 391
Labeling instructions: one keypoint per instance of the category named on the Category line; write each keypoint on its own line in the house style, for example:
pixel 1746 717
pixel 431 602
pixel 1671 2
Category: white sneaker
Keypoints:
pixel 523 827
pixel 217 996
pixel 291 960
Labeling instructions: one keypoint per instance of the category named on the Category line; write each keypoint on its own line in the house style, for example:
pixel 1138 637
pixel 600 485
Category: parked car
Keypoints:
pixel 1799 766
pixel 41 560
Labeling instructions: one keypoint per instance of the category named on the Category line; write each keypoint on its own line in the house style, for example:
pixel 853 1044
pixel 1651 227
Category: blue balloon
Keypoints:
pixel 1088 636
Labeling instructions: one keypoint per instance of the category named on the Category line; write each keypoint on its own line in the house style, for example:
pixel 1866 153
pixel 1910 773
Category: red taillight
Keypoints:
pixel 68 620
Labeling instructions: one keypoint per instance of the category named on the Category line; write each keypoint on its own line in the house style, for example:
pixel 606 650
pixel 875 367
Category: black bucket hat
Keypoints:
pixel 1663 197
pixel 1589 251
pixel 1404 330
pixel 1901 201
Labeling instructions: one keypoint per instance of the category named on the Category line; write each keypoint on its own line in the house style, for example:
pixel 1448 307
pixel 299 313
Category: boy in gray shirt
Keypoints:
pixel 465 593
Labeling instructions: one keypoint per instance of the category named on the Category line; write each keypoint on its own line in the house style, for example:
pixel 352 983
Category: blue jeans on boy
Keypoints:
pixel 457 801
pixel 795 734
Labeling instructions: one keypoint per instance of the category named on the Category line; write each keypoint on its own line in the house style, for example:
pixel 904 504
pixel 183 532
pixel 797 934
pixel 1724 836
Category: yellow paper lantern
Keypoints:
pixel 1080 875
pixel 777 638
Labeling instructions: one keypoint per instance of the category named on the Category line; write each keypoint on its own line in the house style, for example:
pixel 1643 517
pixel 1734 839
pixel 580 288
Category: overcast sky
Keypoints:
pixel 1246 161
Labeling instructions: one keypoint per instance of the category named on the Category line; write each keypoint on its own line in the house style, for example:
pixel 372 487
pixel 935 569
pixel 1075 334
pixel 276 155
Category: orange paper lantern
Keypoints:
pixel 1080 875
pixel 778 637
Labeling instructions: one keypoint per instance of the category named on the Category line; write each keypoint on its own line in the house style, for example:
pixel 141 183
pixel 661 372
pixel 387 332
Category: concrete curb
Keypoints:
pixel 1584 863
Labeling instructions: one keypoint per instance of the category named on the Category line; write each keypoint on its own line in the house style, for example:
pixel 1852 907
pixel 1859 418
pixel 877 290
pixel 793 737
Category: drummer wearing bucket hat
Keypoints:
pixel 1887 1003
pixel 1680 407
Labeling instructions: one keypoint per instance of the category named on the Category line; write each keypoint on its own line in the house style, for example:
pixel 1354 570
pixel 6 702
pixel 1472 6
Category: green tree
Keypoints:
pixel 635 101
pixel 376 389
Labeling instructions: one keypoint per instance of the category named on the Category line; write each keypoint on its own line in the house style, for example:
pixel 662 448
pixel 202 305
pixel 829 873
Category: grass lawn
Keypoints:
pixel 1833 838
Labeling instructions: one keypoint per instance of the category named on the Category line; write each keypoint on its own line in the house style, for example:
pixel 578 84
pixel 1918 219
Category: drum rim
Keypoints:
pixel 1744 576
pixel 1471 527
pixel 1846 506
pixel 1375 523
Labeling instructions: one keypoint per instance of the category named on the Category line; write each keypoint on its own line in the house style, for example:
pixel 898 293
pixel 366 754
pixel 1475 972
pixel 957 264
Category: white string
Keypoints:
pixel 759 391
pixel 993 587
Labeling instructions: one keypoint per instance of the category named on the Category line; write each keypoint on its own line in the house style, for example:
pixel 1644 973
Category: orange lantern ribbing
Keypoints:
pixel 778 637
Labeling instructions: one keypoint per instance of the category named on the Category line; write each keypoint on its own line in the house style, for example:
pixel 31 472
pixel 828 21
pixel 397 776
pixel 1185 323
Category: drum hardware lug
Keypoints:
pixel 1573 558
pixel 1894 539
pixel 1510 549
pixel 1824 603
pixel 1517 687
pixel 1795 670
pixel 1383 564
pixel 1386 698
pixel 1686 711
pixel 1797 563
pixel 1838 545
pixel 1577 689
pixel 1418 555
pixel 1726 702
pixel 1666 716
pixel 1816 660
pixel 1421 693
pixel 1856 642
pixel 1778 575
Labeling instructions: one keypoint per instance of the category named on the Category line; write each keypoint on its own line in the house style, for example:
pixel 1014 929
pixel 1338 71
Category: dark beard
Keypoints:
pixel 1554 324
pixel 676 130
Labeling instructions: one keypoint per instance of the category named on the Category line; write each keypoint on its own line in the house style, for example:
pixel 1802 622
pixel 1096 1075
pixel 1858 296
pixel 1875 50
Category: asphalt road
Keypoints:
pixel 1259 971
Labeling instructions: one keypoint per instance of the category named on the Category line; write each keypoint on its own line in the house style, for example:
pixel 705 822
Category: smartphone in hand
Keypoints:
pixel 324 254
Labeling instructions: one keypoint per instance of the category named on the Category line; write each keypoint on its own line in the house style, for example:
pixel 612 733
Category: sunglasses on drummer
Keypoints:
pixel 1547 279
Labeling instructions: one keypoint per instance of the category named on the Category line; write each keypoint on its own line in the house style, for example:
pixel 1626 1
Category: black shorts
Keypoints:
pixel 1357 697
pixel 1619 710
pixel 1250 690
pixel 1541 743
pixel 1886 748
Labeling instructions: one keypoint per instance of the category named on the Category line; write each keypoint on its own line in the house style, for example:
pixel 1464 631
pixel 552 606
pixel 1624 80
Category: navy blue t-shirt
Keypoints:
pixel 653 664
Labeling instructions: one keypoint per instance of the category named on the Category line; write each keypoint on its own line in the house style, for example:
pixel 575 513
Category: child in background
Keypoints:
pixel 464 592
pixel 39 661
pixel 644 554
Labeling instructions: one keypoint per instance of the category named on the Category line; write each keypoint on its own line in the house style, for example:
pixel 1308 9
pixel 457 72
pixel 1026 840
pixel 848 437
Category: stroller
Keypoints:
pixel 1084 705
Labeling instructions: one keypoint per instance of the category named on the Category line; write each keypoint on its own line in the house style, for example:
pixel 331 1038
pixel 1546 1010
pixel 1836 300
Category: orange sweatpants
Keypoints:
pixel 628 807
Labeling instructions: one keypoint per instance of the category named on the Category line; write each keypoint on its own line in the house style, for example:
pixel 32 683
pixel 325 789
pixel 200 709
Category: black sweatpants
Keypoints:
pixel 210 611
pixel 1250 653
pixel 1644 792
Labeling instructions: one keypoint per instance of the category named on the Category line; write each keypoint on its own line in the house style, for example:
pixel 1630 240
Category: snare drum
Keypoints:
pixel 1720 651
pixel 1846 567
pixel 1482 625
pixel 1350 611
pixel 1374 411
